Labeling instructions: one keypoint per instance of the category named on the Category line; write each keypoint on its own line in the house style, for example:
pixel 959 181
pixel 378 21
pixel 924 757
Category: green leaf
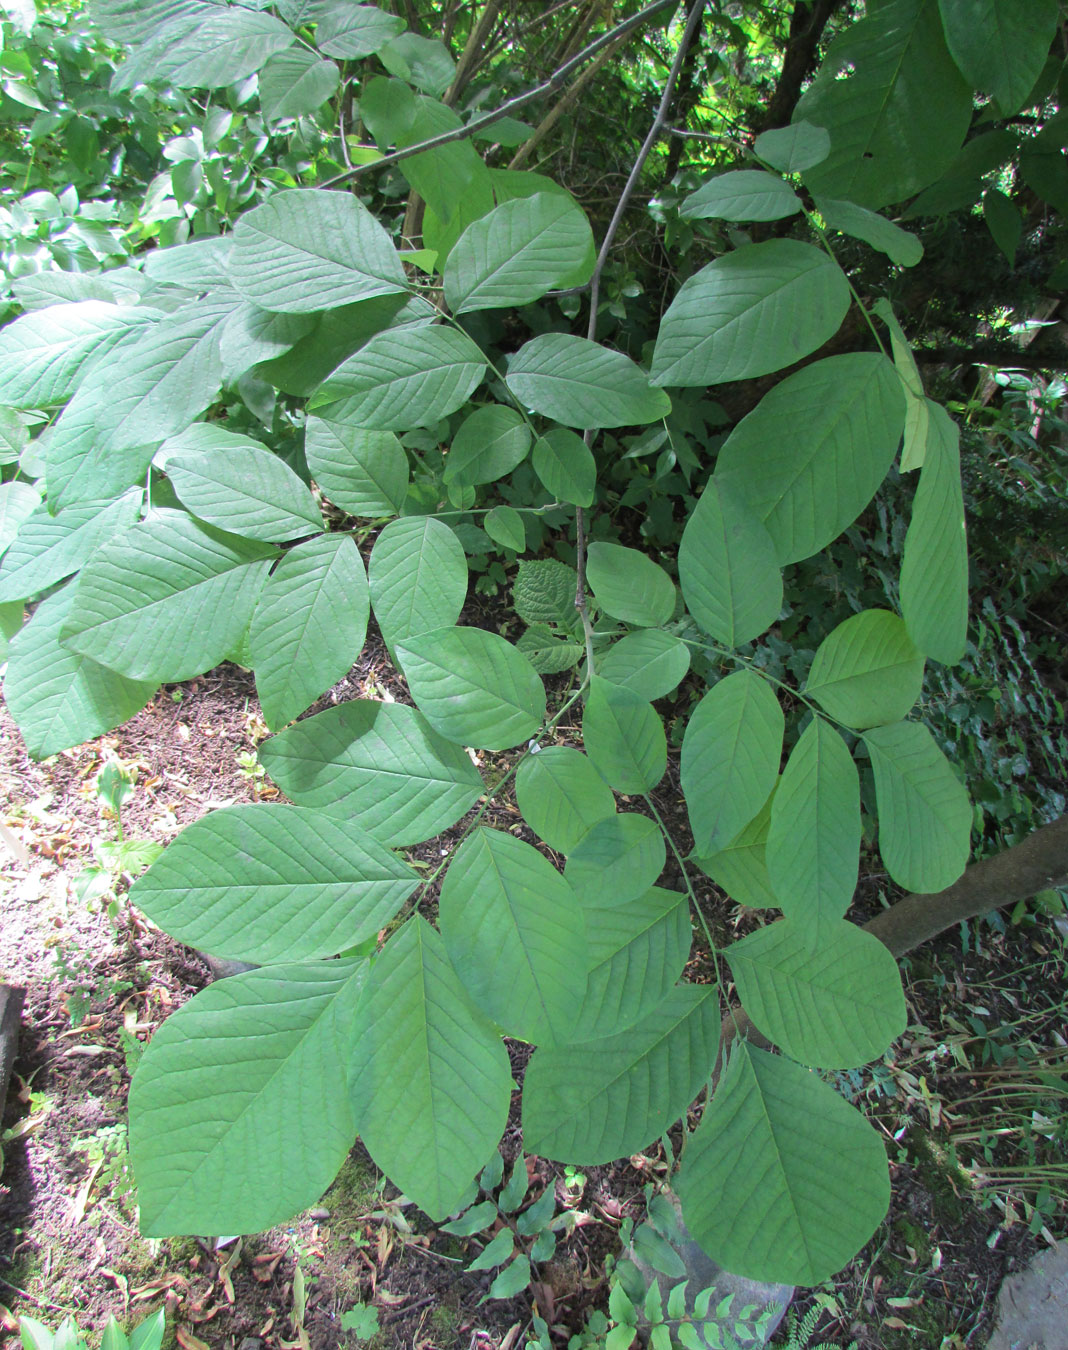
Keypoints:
pixel 244 1075
pixel 306 249
pixel 489 444
pixel 448 176
pixel 431 1082
pixel 793 149
pixel 899 245
pixel 813 847
pixel 866 671
pixel 828 995
pixel 18 501
pixel 363 472
pixel 517 252
pixel 14 436
pixel 426 62
pixel 220 45
pixel 740 869
pixel 80 465
pixel 505 527
pixel 777 1153
pixel 473 1220
pixel 512 1280
pixel 49 548
pixel 388 108
pixel 238 484
pixel 149 1334
pixel 1004 221
pixel 496 1251
pixel 894 104
pixel 934 569
pixel 309 625
pixel 353 31
pixel 728 570
pixel 548 653
pixel 473 686
pixel 651 663
pixel 418 577
pixel 753 311
pixel 630 586
pixel 566 466
pixel 730 757
pixel 1000 46
pixel 583 384
pixel 618 859
pixel 514 931
pixel 58 698
pixel 404 378
pixel 593 1101
pixel 561 796
pixel 624 738
pixel 378 765
pixel 295 83
pixel 812 453
pixel 742 194
pixel 925 816
pixel 252 335
pixel 167 600
pixel 273 883
pixel 637 952
pixel 544 592
pixel 914 444
pixel 200 264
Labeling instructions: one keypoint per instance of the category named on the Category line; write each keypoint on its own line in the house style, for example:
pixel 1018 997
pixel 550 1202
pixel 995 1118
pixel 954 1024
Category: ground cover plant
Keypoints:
pixel 443 405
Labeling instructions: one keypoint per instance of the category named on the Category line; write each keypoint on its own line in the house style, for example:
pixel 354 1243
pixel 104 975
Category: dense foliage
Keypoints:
pixel 320 326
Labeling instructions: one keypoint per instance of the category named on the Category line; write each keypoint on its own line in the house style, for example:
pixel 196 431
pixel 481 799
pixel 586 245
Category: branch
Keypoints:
pixel 807 23
pixel 476 40
pixel 549 86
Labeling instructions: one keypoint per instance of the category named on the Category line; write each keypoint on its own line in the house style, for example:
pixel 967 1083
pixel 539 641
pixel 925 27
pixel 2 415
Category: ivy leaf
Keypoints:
pixel 630 586
pixel 624 738
pixel 1000 46
pixel 379 765
pixel 489 444
pixel 417 1039
pixel 295 83
pixel 753 311
pixel 562 796
pixel 583 384
pixel 650 663
pixel 618 859
pixel 514 931
pixel 566 466
pixel 353 31
pixel 742 194
pixel 48 548
pixel 794 148
pixel 274 883
pixel 778 1150
pixel 363 472
pixel 418 577
pixel 236 1079
pixel 867 671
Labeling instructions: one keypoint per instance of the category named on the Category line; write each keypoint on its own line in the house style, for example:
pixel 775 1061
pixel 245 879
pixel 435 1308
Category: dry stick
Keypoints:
pixel 549 86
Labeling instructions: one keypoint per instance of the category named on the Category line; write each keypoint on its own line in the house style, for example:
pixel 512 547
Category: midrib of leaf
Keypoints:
pixel 519 933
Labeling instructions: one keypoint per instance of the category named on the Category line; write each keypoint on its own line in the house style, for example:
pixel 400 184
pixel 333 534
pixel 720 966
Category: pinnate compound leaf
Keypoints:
pixel 582 384
pixel 630 586
pixel 728 569
pixel 404 378
pixel 925 817
pixel 753 311
pixel 515 933
pixel 378 765
pixel 562 796
pixel 623 737
pixel 309 625
pixel 867 671
pixel 934 569
pixel 793 149
pixel 49 548
pixel 239 1081
pixel 593 1101
pixel 618 859
pixel 1000 46
pixel 566 466
pixel 58 698
pixel 828 995
pixel 651 663
pixel 418 577
pixel 306 249
pixel 742 194
pixel 473 687
pixel 812 453
pixel 730 758
pixel 363 472
pixel 167 600
pixel 782 1179
pixel 274 883
pixel 295 83
pixel 489 444
pixel 813 846
pixel 517 252
pixel 423 1054
pixel 899 245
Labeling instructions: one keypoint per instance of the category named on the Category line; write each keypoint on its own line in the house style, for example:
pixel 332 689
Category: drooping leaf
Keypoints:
pixel 752 311
pixel 742 194
pixel 813 846
pixel 295 83
pixel 899 245
pixel 489 444
pixel 378 765
pixel 272 884
pixel 777 1153
pixel 618 859
pixel 239 1081
pixel 589 1102
pixel 566 466
pixel 562 796
pixel 583 384
pixel 353 31
pixel 388 108
pixel 651 663
pixel 914 442
pixel 730 758
pixel 728 570
pixel 305 249
pixel 623 737
pixel 925 816
pixel 49 548
pixel 309 625
pixel 473 686
pixel 418 577
pixel 424 1055
pixel 740 869
pixel 426 62
pixel 1000 46
pixel 514 931
pixel 363 472
pixel 867 671
pixel 629 585
pixel 793 149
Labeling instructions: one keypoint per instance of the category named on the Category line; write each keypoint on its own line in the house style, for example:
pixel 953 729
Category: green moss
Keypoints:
pixel 941 1177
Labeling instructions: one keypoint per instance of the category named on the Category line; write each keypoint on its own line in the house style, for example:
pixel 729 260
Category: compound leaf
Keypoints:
pixel 562 796
pixel 418 577
pixel 867 671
